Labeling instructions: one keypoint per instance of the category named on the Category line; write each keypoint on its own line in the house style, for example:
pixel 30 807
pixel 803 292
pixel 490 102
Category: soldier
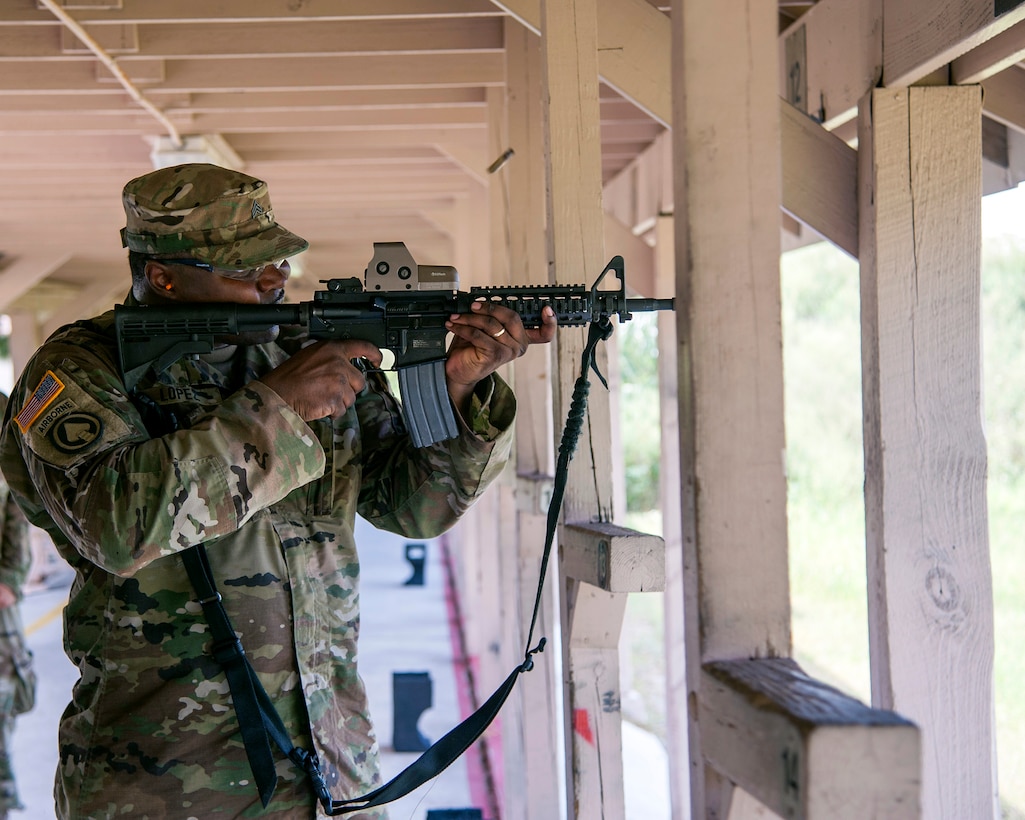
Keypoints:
pixel 262 452
pixel 17 678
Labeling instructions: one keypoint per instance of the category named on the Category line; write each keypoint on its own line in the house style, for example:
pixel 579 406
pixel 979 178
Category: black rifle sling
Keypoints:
pixel 259 721
pixel 446 751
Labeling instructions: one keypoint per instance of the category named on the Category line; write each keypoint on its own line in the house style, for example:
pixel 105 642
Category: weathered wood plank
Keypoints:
pixel 729 318
pixel 820 179
pixel 930 590
pixel 670 492
pixel 920 36
pixel 613 558
pixel 989 58
pixel 805 749
pixel 726 126
pixel 532 751
pixel 1004 97
pixel 575 248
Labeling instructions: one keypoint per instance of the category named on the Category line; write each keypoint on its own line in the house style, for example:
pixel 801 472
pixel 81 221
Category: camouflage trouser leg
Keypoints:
pixel 8 787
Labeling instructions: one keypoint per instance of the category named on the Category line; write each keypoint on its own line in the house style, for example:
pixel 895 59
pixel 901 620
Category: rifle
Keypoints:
pixel 401 306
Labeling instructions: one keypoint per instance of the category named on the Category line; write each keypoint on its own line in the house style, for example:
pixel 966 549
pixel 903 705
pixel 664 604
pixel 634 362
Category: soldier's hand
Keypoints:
pixel 321 380
pixel 486 338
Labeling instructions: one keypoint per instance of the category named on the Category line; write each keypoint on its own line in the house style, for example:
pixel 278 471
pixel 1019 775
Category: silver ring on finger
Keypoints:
pixel 500 333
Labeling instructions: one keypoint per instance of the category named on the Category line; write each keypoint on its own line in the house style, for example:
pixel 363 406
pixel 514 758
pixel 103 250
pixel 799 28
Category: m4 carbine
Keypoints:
pixel 400 306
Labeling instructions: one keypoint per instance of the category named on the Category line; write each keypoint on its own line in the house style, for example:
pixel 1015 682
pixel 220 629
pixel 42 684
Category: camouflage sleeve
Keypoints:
pixel 123 498
pixel 15 549
pixel 421 493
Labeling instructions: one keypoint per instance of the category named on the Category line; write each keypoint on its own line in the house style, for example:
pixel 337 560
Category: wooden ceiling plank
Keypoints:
pixel 33 151
pixel 284 100
pixel 244 143
pixel 203 11
pixel 243 39
pixel 360 37
pixel 920 36
pixel 137 121
pixel 78 75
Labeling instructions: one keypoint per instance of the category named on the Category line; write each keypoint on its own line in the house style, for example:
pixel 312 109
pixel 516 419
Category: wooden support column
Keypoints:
pixel 592 617
pixel 929 581
pixel 670 491
pixel 531 721
pixel 727 196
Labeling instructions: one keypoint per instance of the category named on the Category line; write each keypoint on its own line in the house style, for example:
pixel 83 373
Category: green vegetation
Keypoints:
pixel 822 364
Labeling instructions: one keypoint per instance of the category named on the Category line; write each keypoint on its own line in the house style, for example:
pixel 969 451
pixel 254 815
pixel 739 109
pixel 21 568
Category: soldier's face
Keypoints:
pixel 263 286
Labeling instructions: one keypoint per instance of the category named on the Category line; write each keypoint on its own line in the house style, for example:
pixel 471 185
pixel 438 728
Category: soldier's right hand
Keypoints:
pixel 321 380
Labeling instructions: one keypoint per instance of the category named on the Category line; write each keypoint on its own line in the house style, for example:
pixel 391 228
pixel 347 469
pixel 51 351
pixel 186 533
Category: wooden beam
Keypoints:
pixel 25 270
pixel 273 11
pixel 324 71
pixel 670 493
pixel 830 57
pixel 729 349
pixel 638 258
pixel 592 617
pixel 533 752
pixel 1003 97
pixel 280 101
pixel 930 590
pixel 991 57
pixel 921 36
pixel 730 324
pixel 805 749
pixel 137 121
pixel 281 38
pixel 613 558
pixel 820 180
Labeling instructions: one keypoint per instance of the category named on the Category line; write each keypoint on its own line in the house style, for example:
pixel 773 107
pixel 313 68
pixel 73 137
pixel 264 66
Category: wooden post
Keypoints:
pixel 930 588
pixel 727 196
pixel 531 735
pixel 675 632
pixel 592 617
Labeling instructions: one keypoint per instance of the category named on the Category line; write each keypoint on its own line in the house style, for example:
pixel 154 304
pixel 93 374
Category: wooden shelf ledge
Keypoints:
pixel 804 748
pixel 614 558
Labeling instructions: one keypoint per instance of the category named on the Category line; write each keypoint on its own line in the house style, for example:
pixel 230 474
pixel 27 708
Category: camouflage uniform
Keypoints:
pixel 150 731
pixel 17 681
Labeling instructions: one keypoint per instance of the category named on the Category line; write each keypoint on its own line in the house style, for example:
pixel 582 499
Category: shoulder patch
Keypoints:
pixel 49 388
pixel 73 432
pixel 63 423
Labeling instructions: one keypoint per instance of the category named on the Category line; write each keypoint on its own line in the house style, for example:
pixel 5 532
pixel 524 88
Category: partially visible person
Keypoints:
pixel 17 681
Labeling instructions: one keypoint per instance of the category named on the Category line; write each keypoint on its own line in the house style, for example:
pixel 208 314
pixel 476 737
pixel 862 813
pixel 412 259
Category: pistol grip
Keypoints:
pixel 426 407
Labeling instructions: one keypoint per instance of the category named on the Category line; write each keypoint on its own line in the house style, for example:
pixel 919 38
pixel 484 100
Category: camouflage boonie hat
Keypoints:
pixel 208 213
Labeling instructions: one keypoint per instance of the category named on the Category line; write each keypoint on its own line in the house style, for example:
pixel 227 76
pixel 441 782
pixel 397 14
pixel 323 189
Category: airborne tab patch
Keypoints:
pixel 42 397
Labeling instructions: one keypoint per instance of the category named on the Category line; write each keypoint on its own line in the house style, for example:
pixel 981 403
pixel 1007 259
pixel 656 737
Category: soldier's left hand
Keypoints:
pixel 488 337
